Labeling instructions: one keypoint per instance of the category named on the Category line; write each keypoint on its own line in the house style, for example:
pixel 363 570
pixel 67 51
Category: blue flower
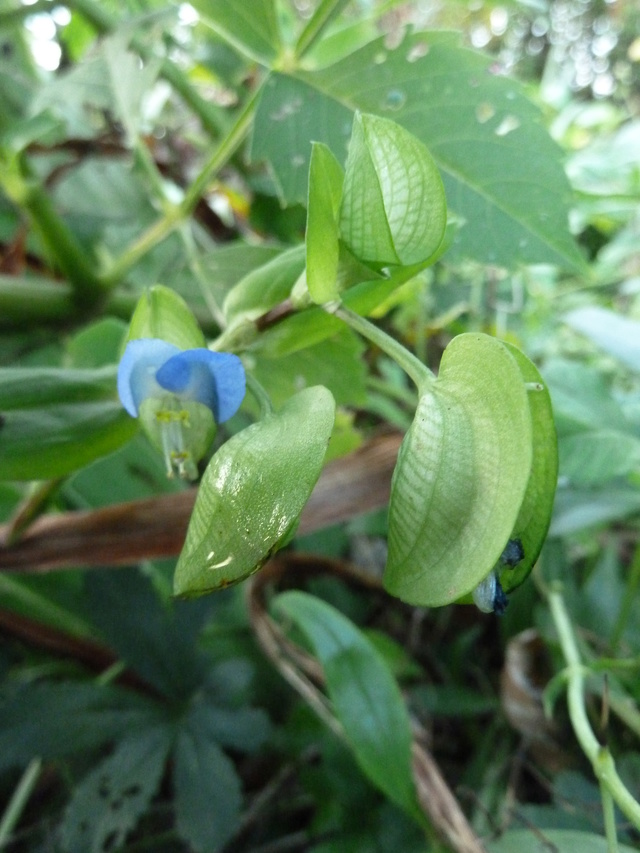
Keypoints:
pixel 180 396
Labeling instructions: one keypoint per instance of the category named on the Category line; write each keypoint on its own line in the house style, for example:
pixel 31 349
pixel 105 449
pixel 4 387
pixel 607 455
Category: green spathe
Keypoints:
pixel 253 492
pixel 462 474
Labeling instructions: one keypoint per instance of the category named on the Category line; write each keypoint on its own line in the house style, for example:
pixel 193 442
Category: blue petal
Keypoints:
pixel 214 378
pixel 137 371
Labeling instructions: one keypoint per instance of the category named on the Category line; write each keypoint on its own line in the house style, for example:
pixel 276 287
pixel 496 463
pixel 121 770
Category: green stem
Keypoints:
pixel 24 300
pixel 260 395
pixel 176 215
pixel 599 756
pixel 67 253
pixel 323 15
pixel 608 810
pixel 19 800
pixel 419 374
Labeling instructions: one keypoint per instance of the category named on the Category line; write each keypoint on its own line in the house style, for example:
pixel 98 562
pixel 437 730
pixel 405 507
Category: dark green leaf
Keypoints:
pixel 108 803
pixel 38 717
pixel 207 788
pixel 364 694
pixel 502 172
pixel 558 840
pixel 251 27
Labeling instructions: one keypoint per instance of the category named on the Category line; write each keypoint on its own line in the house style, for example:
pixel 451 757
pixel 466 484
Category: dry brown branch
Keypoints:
pixel 147 529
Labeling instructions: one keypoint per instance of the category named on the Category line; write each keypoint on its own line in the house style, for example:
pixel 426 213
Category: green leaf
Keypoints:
pixel 533 520
pixel 393 207
pixel 618 336
pixel 46 429
pixel 461 476
pixel 98 344
pixel 207 789
pixel 37 719
pixel 322 237
pixel 502 172
pixel 265 287
pixel 252 493
pixel 581 398
pixel 560 840
pixel 252 28
pixel 580 509
pixel 161 313
pixel 108 803
pixel 365 696
pixel 129 81
pixel 595 457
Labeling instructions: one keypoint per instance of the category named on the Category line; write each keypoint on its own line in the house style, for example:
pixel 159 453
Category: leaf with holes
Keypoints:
pixel 502 172
pixel 108 803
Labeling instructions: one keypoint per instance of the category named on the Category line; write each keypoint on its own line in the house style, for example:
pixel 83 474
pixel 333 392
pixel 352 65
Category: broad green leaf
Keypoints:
pixel 26 387
pixel 265 287
pixel 502 172
pixel 161 313
pixel 108 803
pixel 253 492
pixel 581 398
pixel 55 420
pixel 252 28
pixel 208 794
pixel 365 696
pixel 558 840
pixel 393 207
pixel 98 344
pixel 581 509
pixel 461 476
pixel 616 335
pixel 322 237
pixel 592 458
pixel 533 520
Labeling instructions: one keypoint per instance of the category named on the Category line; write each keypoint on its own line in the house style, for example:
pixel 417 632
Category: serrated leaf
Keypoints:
pixel 533 520
pixel 37 719
pixel 252 28
pixel 108 803
pixel 393 207
pixel 322 235
pixel 161 313
pixel 252 493
pixel 365 696
pixel 502 172
pixel 207 788
pixel 461 475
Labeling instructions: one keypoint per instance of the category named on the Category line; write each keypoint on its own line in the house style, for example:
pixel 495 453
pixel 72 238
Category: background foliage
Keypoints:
pixel 150 142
